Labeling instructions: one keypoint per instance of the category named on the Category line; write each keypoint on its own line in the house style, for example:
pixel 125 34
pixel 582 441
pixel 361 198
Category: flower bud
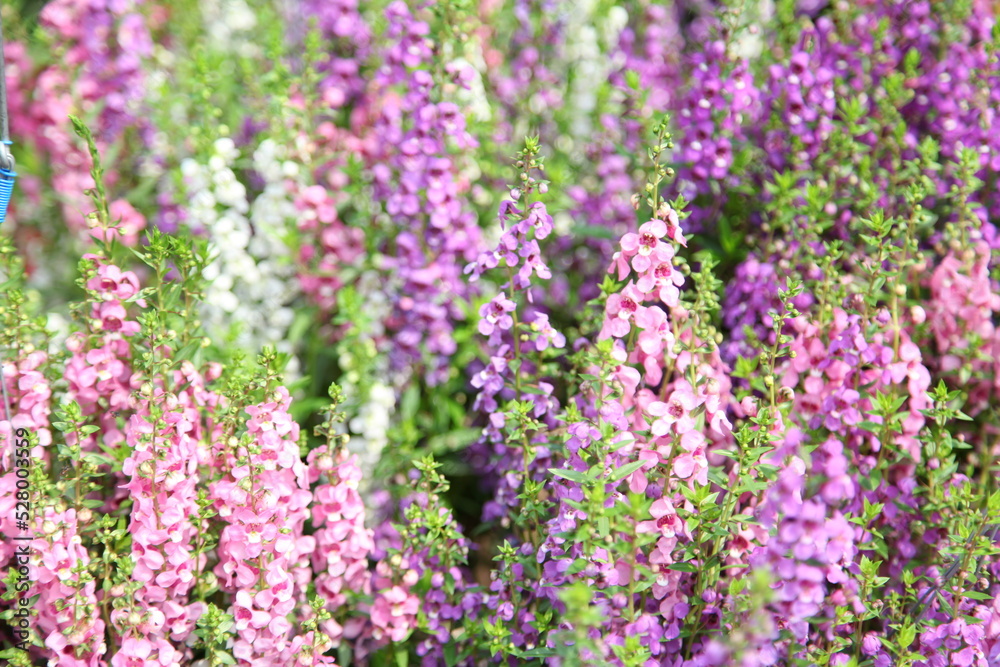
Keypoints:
pixel 324 463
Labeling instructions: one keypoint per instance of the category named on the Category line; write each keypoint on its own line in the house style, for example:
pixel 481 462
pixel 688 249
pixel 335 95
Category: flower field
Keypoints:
pixel 523 332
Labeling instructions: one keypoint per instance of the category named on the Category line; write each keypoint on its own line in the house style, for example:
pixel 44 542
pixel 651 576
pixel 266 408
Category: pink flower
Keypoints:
pixel 113 281
pixel 661 276
pixel 692 461
pixel 619 310
pixel 665 519
pixel 676 412
pixel 640 246
pixel 394 613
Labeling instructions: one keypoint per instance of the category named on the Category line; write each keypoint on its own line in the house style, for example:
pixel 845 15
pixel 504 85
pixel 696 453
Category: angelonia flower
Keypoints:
pixel 394 612
pixel 100 368
pixel 528 77
pixel 30 406
pixel 712 114
pixel 229 25
pixel 164 431
pixel 421 138
pixel 68 621
pixel 809 551
pixel 718 385
pixel 652 46
pixel 752 297
pixel 263 501
pixel 343 544
pixel 802 93
pixel 348 35
pixel 585 32
pixel 336 246
pixel 99 70
pixel 961 318
pixel 370 426
pixel 517 251
pixel 249 277
pixel 422 586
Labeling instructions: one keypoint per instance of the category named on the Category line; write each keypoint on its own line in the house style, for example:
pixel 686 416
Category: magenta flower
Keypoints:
pixel 495 315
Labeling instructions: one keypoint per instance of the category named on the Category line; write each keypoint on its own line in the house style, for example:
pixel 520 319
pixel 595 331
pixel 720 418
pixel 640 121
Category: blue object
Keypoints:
pixel 7 177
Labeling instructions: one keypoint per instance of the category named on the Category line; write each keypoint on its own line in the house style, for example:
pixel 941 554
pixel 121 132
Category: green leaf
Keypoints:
pixel 643 585
pixel 98 459
pixel 626 470
pixel 540 652
pixel 450 654
pixel 571 475
pixel 906 635
pixel 976 595
pixel 682 567
pixel 752 485
pixel 880 548
pixel 409 403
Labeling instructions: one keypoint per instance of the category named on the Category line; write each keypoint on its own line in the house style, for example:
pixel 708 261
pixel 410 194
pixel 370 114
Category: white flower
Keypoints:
pixel 225 148
pixel 251 279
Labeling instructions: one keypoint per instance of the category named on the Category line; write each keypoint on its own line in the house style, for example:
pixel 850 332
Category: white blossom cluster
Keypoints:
pixel 251 278
pixel 589 34
pixel 229 25
pixel 473 99
pixel 369 428
pixel 370 408
pixel 749 42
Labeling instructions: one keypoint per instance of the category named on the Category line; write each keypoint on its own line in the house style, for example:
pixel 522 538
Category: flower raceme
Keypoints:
pixel 660 477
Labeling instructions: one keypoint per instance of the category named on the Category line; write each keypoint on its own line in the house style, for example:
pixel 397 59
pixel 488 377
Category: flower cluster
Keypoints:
pixel 249 279
pixel 264 502
pixel 98 70
pixel 729 400
pixel 418 178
